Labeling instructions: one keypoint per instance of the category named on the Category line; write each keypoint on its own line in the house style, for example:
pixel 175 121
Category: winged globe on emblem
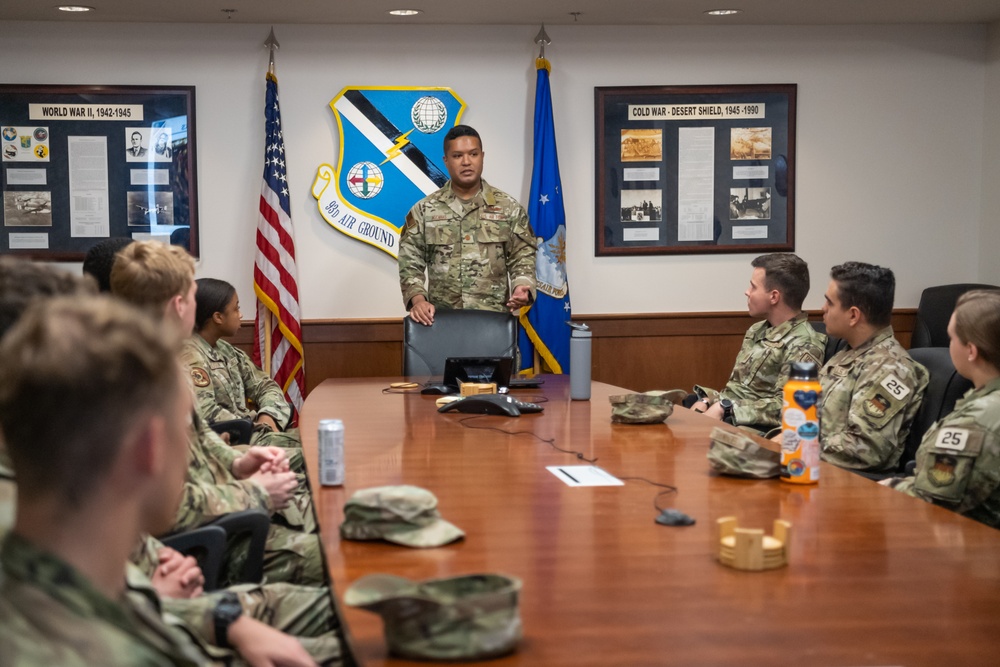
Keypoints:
pixel 391 156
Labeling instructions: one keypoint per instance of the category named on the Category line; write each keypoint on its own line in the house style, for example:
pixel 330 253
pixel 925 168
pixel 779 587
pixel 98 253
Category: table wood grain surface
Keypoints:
pixel 875 577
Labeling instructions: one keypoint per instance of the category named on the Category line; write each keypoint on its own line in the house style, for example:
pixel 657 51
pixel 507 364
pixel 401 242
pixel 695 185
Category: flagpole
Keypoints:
pixel 266 357
pixel 545 335
pixel 271 43
pixel 542 38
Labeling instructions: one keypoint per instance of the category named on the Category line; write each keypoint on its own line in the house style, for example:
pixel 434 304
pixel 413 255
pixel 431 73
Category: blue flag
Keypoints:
pixel 543 326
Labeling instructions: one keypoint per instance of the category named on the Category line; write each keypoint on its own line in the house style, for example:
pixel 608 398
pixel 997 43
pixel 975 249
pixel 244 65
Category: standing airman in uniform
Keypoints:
pixel 471 243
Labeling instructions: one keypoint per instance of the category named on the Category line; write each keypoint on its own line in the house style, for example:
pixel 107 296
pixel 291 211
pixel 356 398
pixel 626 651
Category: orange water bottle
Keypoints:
pixel 800 425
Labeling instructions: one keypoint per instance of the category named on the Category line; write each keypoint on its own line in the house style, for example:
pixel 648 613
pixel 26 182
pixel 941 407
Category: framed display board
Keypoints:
pixel 84 163
pixel 695 169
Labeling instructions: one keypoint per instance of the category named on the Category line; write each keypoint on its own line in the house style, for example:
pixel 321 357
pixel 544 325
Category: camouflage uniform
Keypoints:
pixel 305 612
pixel 225 379
pixel 958 463
pixel 51 615
pixel 870 396
pixel 469 251
pixel 762 368
pixel 211 491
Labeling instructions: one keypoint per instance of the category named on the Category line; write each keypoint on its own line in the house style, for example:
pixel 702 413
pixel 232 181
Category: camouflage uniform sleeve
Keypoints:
pixel 263 390
pixel 958 467
pixel 195 614
pixel 204 385
pixel 883 402
pixel 210 489
pixel 145 556
pixel 212 444
pixel 412 258
pixel 767 410
pixel 521 253
pixel 202 502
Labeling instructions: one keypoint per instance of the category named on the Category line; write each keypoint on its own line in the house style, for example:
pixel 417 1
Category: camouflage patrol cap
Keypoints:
pixel 471 617
pixel 651 407
pixel 735 453
pixel 404 514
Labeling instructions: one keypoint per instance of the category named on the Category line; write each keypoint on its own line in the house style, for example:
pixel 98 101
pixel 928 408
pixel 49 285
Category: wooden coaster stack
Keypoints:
pixel 475 388
pixel 750 549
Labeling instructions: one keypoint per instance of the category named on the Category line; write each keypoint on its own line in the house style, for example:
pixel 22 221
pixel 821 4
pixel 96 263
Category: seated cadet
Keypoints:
pixel 101 257
pixel 90 483
pixel 298 610
pixel 871 390
pixel 958 463
pixel 160 279
pixel 753 396
pixel 23 283
pixel 305 612
pixel 225 378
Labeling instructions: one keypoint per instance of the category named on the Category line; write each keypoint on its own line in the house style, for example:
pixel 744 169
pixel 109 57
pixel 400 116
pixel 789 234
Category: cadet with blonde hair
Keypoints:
pixel 93 410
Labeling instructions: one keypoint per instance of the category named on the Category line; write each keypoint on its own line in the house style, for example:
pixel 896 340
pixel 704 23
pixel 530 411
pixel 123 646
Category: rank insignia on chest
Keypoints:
pixel 200 377
pixel 876 406
pixel 942 473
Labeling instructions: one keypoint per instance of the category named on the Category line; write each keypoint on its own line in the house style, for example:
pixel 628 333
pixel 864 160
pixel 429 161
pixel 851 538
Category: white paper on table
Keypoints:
pixel 584 476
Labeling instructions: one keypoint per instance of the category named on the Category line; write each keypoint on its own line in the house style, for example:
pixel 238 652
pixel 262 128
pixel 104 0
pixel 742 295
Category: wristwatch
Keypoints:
pixel 727 410
pixel 226 611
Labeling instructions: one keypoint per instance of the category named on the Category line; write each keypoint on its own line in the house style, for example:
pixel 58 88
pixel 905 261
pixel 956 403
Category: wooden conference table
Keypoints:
pixel 876 577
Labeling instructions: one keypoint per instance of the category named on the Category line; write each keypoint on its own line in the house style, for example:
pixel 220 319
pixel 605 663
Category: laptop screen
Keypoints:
pixel 478 369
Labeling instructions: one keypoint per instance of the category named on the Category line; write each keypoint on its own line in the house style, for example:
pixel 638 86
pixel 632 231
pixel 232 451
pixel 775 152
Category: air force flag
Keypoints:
pixel 543 328
pixel 391 156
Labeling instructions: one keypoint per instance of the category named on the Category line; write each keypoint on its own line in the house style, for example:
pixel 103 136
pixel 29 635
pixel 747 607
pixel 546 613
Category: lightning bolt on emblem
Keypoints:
pixel 397 149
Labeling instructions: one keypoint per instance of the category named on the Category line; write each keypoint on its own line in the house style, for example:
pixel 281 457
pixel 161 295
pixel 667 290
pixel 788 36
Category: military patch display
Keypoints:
pixel 200 377
pixel 949 466
pixel 942 471
pixel 877 405
pixel 391 140
pixel 882 402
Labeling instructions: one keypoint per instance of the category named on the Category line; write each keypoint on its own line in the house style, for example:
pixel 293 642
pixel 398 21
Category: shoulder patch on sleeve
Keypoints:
pixel 880 405
pixel 895 387
pixel 953 439
pixel 200 377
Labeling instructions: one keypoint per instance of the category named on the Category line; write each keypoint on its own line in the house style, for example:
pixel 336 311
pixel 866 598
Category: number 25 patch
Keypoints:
pixel 897 389
pixel 952 438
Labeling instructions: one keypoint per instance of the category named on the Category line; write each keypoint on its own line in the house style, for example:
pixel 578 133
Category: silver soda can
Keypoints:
pixel 331 452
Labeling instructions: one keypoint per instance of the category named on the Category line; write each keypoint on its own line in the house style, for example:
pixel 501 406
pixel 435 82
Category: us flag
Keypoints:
pixel 278 322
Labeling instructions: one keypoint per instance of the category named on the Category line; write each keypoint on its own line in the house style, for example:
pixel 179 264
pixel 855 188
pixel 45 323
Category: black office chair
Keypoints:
pixel 833 344
pixel 934 311
pixel 456 333
pixel 240 430
pixel 208 545
pixel 944 388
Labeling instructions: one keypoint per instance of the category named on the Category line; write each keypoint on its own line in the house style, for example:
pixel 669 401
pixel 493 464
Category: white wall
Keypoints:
pixel 891 128
pixel 989 236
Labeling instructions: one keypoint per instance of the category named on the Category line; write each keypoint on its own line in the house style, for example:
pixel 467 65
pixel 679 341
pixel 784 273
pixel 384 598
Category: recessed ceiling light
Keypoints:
pixel 405 12
pixel 75 8
pixel 723 12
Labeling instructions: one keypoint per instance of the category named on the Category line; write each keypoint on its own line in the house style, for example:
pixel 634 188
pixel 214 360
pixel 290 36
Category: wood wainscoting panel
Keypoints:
pixel 641 351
